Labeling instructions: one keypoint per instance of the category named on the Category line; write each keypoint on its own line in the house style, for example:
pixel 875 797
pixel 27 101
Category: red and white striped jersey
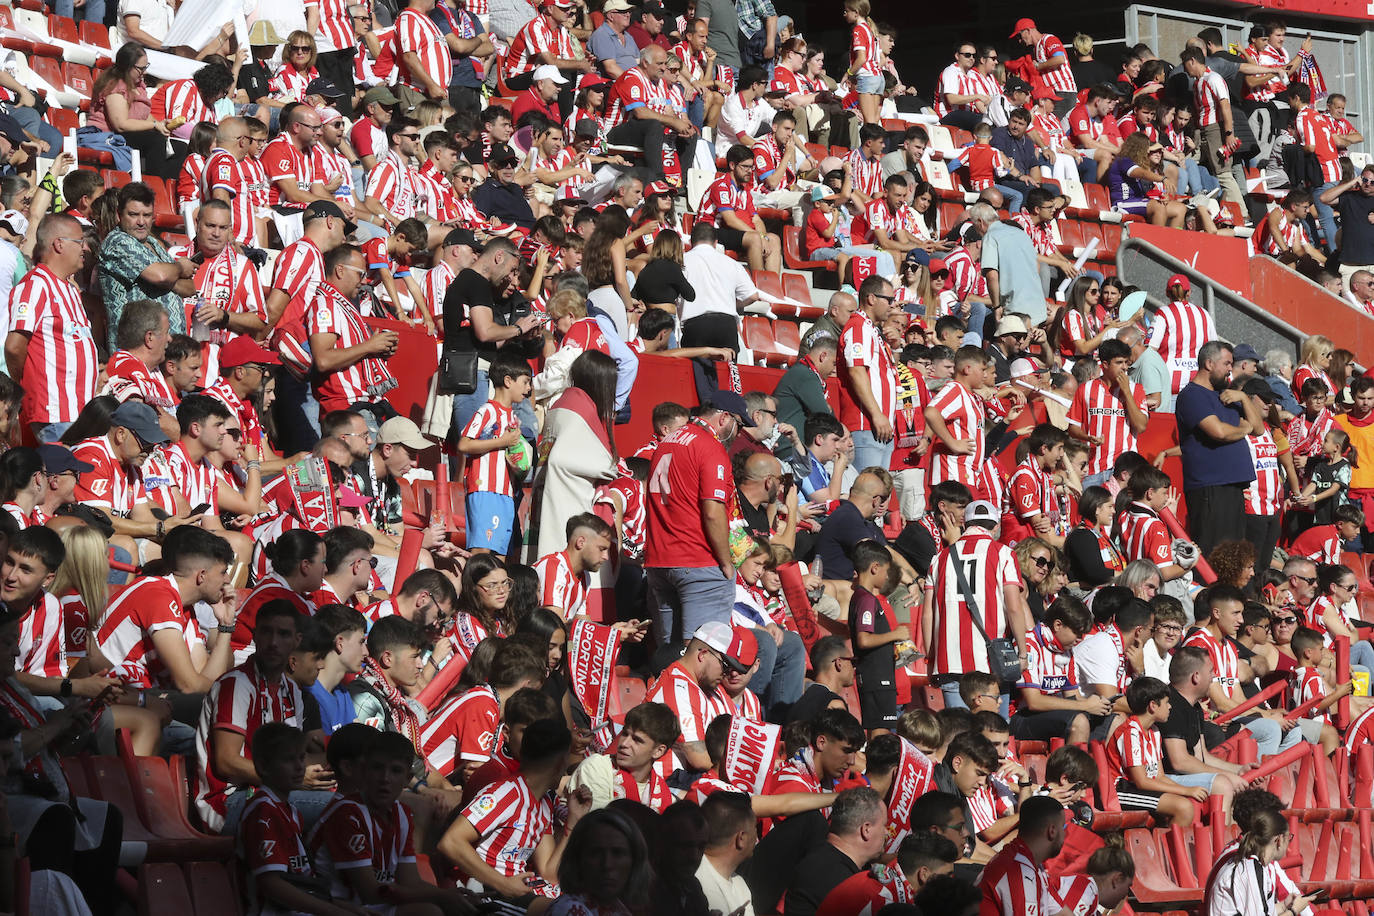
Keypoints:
pixel 1360 732
pixel 230 281
pixel 879 215
pixel 332 313
pixel 298 271
pixel 189 181
pixel 541 35
pixel 1144 536
pixel 747 704
pixel 1270 56
pixel 1077 895
pixel 1314 129
pixel 181 99
pixel 1314 616
pixel 1320 544
pixel 954 81
pixel 988 566
pixel 1308 685
pixel 724 195
pixel 863 38
pixel 417 32
pixel 1077 326
pixel 964 413
pixel 1305 372
pixel 170 468
pixel 1030 492
pixel 437 197
pixel 1264 494
pixel 334 163
pixel 25 520
pixel 1291 231
pixel 677 689
pixel 633 511
pixel 395 185
pixel 61 364
pixel 348 835
pixel 463 729
pixel 559 586
pixel 1178 331
pixel 509 822
pixel 42 645
pixel 1013 884
pixel 1225 659
pixel 965 274
pixel 1209 91
pixel 75 621
pixel 989 803
pixel 239 702
pixel 631 89
pixel 1098 408
pixel 245 411
pixel 1060 79
pixel 272 837
pixel 1134 745
pixel 256 175
pixel 489 473
pixel 767 158
pixel 282 160
pixel 224 172
pixel 113 485
pixel 435 285
pixel 269 588
pixel 1049 668
pixel 1305 435
pixel 127 377
pixel 862 347
pixel 136 612
pixel 1051 130
pixel 335 30
pixel 1042 239
pixel 867 174
pixel 288 84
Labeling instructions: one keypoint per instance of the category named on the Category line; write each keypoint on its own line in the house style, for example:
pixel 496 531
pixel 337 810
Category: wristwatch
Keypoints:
pixel 66 689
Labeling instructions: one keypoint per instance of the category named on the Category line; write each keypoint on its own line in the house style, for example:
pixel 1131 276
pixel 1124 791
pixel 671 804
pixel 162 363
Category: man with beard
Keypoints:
pixel 350 359
pixel 563 576
pixel 1015 881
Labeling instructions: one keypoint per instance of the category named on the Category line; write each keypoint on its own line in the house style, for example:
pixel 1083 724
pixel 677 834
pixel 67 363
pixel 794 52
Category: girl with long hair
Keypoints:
pixel 604 265
pixel 1093 559
pixel 663 282
pixel 1243 882
pixel 201 142
pixel 1077 331
pixel 605 868
pixel 482 609
pixel 22 482
pixel 1314 359
pixel 865 60
pixel 1134 172
pixel 1337 599
pixel 1035 559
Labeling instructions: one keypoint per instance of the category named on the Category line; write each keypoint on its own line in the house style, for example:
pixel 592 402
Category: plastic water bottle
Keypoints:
pixel 199 329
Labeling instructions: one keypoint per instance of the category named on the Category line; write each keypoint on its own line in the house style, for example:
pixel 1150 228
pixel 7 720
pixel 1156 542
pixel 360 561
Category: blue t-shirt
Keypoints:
pixel 1206 462
pixel 818 479
pixel 336 707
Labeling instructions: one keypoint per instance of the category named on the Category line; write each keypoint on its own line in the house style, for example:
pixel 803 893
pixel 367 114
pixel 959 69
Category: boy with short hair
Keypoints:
pixel 1050 702
pixel 667 417
pixel 346 630
pixel 818 480
pixel 873 631
pixel 1134 753
pixel 650 730
pixel 980 691
pixel 922 728
pixel 1308 430
pixel 1309 684
pixel 1144 536
pixel 1322 544
pixel 994 805
pixel 1169 626
pixel 492 443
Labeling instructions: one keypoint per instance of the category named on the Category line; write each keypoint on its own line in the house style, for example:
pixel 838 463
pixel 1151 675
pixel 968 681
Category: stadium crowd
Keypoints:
pixel 400 659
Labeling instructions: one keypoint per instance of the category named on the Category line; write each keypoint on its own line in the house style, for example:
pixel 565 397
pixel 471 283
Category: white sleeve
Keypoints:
pixel 1096 662
pixel 597 773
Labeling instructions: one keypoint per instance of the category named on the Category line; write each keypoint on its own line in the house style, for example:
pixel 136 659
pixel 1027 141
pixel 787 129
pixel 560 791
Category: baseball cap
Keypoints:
pixel 591 79
pixel 500 152
pixel 462 236
pixel 18 222
pixel 1179 280
pixel 982 512
pixel 822 192
pixel 616 6
pixel 726 640
pixel 561 4
pixel 586 129
pixel 58 459
pixel 12 130
pixel 1044 92
pixel 401 431
pixel 653 9
pixel 320 209
pixel 657 187
pixel 379 94
pixel 937 265
pixel 1257 387
pixel 730 402
pixel 1021 25
pixel 141 420
pixel 1017 85
pixel 749 646
pixel 324 87
pixel 1245 351
pixel 1022 367
pixel 548 72
pixel 350 498
pixel 244 350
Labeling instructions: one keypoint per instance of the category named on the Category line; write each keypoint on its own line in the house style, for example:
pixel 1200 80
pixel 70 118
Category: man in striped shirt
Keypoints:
pixel 226 179
pixel 563 575
pixel 426 67
pixel 1108 412
pixel 349 361
pixel 869 378
pixel 133 370
pixel 1015 881
pixel 1050 59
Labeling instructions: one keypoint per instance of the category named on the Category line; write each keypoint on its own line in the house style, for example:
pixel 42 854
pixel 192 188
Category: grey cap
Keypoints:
pixel 141 420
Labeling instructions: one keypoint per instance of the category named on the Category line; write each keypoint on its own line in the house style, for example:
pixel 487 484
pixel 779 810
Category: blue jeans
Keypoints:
pixel 1013 198
pixel 53 431
pixel 696 111
pixel 1325 215
pixel 977 317
pixel 31 122
pixel 297 413
pixel 1097 480
pixel 119 554
pixel 782 669
pixel 1193 179
pixel 687 597
pixel 91 11
pixel 869 452
pixel 952 698
pixel 1269 737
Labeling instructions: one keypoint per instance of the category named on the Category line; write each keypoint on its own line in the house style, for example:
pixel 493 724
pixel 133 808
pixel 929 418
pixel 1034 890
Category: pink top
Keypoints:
pixel 140 106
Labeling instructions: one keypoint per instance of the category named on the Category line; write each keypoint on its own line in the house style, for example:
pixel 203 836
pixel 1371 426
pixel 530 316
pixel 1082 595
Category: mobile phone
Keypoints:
pixel 201 509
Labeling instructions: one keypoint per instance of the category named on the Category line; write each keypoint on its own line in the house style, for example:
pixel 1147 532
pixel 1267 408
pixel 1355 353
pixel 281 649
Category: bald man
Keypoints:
pixel 856 518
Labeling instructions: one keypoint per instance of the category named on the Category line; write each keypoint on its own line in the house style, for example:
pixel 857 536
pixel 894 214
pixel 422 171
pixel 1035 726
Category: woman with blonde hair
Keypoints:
pixel 81 587
pixel 865 70
pixel 662 283
pixel 1314 358
pixel 297 70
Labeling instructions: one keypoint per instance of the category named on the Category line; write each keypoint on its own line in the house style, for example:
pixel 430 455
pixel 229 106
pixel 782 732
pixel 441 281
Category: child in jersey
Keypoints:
pixel 1309 683
pixel 363 843
pixel 874 632
pixel 994 805
pixel 1110 871
pixel 487 441
pixel 1328 479
pixel 1134 752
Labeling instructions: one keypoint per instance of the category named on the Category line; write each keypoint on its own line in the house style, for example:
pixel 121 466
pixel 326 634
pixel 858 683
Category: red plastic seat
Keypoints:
pixel 1072 235
pixel 950 211
pixel 6 18
pixel 960 136
pixel 108 773
pixel 64 119
pixel 1153 881
pixel 116 179
pixel 816 151
pixel 161 807
pixel 162 889
pixel 795 287
pixel 64 29
pixel 78 78
pixel 1111 240
pixel 212 888
pixel 95 34
pixel 757 334
pixel 164 206
pixel 1097 197
pixel 791 252
pixel 48 69
pixel 787 335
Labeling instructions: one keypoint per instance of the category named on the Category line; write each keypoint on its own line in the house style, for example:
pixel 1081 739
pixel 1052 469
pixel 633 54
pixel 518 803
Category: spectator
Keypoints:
pixel 1103 656
pixel 1147 369
pixel 874 635
pixel 424 65
pixel 1093 558
pixel 134 265
pixel 800 392
pixel 349 358
pixel 1015 881
pixel 348 568
pixel 298 567
pixel 614 49
pixel 1109 412
pixel 1009 266
pixel 492 442
pixel 121 114
pixel 1355 199
pixel 1051 702
pixel 686 686
pixel 852 521
pixel 583 878
pixel 1186 733
pixel 631 772
pixel 869 380
pixel 856 836
pixel 1241 881
pixel 1314 133
pixel 832 672
pixel 729 205
pixel 563 575
pixel 227 281
pixel 1215 119
pixel 1212 424
pixel 732 833
pixel 347 629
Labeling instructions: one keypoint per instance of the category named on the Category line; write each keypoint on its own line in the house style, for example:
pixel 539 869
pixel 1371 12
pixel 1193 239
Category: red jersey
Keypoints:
pixel 541 35
pixel 113 486
pixel 689 466
pixel 284 161
pixel 1030 492
pixel 129 377
pixel 1320 544
pixel 1264 494
pixel 42 646
pixel 348 835
pixel 395 185
pixel 269 588
pixel 61 363
pixel 1314 129
pixel 1209 91
pixel 298 271
pixel 169 469
pixel 463 729
pixel 1099 410
pixel 1049 667
pixel 863 40
pixel 677 689
pixel 724 195
pixel 1060 79
pixel 331 313
pixel 272 838
pixel 137 611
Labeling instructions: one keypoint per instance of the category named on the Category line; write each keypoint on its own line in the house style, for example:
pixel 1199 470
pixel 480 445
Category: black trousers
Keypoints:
pixel 962 119
pixel 1216 514
pixel 647 134
pixel 1263 532
pixel 337 67
pixel 714 329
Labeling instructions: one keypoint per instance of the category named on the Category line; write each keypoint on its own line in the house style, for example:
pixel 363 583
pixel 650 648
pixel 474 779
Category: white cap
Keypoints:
pixel 548 72
pixel 982 512
pixel 1011 324
pixel 1022 367
pixel 18 222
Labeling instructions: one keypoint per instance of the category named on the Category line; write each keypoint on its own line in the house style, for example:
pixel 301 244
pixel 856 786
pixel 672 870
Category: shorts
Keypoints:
pixel 490 520
pixel 871 83
pixel 1193 780
pixel 1042 726
pixel 1136 205
pixel 1133 798
pixel 878 709
pixel 733 239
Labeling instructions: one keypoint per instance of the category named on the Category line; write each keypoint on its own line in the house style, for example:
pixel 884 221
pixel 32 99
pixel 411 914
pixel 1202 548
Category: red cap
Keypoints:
pixel 937 265
pixel 1021 26
pixel 243 350
pixel 1179 280
pixel 1043 92
pixel 591 79
pixel 745 648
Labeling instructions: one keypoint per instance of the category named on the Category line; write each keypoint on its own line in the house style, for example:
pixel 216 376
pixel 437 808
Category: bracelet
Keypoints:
pixel 254 465
pixel 161 527
pixel 225 628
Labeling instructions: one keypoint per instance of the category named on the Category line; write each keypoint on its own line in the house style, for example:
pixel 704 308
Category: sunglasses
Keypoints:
pixel 235 434
pixel 301 49
pixel 1041 562
pixel 1286 621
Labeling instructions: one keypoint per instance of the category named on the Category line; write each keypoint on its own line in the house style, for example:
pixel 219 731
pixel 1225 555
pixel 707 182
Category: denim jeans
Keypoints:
pixel 869 452
pixel 782 669
pixel 1097 480
pixel 696 111
pixel 977 317
pixel 1193 179
pixel 687 597
pixel 1269 737
pixel 1013 198
pixel 91 11
pixel 31 122
pixel 297 414
pixel 886 265
pixel 1325 214
pixel 53 431
pixel 952 698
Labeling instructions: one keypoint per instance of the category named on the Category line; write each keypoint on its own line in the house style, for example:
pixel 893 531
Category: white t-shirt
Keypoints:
pixel 720 282
pixel 1156 665
pixel 154 18
pixel 724 895
pixel 1098 660
pixel 735 119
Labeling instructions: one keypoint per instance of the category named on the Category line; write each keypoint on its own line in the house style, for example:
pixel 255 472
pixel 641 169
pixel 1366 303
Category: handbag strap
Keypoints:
pixel 974 613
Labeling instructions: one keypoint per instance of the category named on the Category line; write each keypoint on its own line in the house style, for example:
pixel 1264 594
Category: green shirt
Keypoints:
pixel 123 259
pixel 800 394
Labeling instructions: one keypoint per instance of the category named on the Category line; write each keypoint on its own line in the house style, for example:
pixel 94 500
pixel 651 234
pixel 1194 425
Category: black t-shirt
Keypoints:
pixel 468 290
pixel 876 668
pixel 845 527
pixel 770 869
pixel 662 281
pixel 755 519
pixel 253 80
pixel 1088 73
pixel 817 875
pixel 1184 722
pixel 917 546
pixel 1357 235
pixel 814 700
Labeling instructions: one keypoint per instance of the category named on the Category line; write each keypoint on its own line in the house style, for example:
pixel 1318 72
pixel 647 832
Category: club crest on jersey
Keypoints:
pixel 268 847
pixel 357 843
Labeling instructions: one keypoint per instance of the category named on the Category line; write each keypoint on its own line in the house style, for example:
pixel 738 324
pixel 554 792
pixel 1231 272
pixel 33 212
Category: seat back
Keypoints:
pixel 162 889
pixel 1098 198
pixel 96 34
pixel 31 21
pixel 64 29
pixel 64 119
pixel 1074 191
pixel 787 336
pixel 49 71
pixel 769 284
pixel 78 78
pixel 212 890
pixel 937 173
pixel 757 333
